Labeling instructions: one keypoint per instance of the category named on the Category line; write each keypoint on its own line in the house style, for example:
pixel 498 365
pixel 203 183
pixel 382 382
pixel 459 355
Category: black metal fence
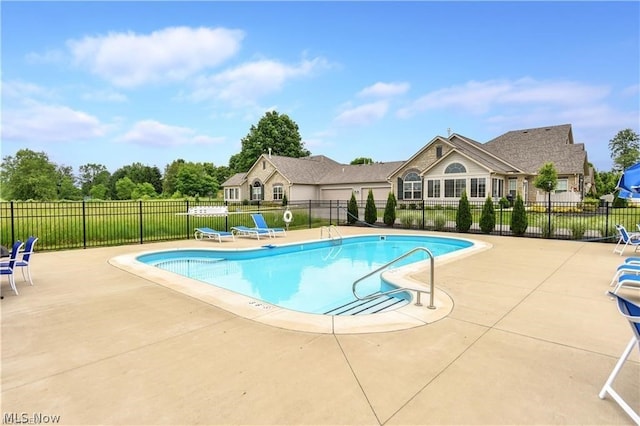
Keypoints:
pixel 69 225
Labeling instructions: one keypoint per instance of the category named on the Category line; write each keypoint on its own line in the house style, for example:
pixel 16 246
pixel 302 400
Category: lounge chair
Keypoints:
pixel 631 312
pixel 204 232
pixel 8 268
pixel 626 281
pixel 260 223
pixel 251 232
pixel 625 240
pixel 625 269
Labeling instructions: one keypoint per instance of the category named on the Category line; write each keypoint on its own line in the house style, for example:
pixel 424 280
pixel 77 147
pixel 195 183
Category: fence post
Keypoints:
pixel 13 218
pixel 141 218
pixel 309 214
pixel 423 222
pixel 84 224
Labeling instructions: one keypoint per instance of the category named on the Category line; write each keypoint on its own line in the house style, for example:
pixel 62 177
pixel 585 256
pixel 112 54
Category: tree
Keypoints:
pixel 92 174
pixel 137 173
pixel 606 182
pixel 361 160
pixel 98 192
pixel 124 188
pixel 488 216
pixel 143 191
pixel 463 215
pixel 390 210
pixel 625 149
pixel 370 211
pixel 193 180
pixel 352 210
pixel 547 178
pixel 66 184
pixel 170 174
pixel 519 222
pixel 274 132
pixel 28 176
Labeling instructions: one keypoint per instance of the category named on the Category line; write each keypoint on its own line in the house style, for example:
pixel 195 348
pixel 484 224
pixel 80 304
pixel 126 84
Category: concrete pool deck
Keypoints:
pixel 531 339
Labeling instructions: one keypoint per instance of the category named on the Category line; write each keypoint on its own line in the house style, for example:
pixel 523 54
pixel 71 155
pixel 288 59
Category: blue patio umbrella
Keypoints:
pixel 629 183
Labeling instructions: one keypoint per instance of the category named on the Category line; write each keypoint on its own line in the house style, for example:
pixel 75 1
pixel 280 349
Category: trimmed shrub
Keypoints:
pixel 504 203
pixel 519 222
pixel 463 215
pixel 407 219
pixel 439 221
pixel 352 210
pixel 370 211
pixel 390 210
pixel 488 217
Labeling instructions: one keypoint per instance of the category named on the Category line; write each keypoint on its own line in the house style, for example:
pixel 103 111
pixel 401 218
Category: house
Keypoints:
pixel 440 171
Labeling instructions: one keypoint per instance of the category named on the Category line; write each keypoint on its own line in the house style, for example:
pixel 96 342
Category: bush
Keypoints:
pixel 390 210
pixel 407 219
pixel 548 228
pixel 519 222
pixel 439 221
pixel 463 215
pixel 370 211
pixel 504 203
pixel 488 217
pixel 352 210
pixel 578 228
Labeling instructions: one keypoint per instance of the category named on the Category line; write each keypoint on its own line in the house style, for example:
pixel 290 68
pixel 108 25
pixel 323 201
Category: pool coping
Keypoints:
pixel 405 317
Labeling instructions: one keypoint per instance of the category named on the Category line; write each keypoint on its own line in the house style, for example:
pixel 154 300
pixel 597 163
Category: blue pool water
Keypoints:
pixel 314 277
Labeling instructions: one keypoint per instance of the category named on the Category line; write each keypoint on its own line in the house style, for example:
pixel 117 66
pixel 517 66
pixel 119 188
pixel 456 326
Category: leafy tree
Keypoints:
pixel 370 211
pixel 274 131
pixel 92 174
pixel 519 222
pixel 606 182
pixel 547 178
pixel 28 176
pixel 143 191
pixel 137 173
pixel 390 210
pixel 124 188
pixel 170 174
pixel 98 192
pixel 361 160
pixel 625 149
pixel 66 184
pixel 193 180
pixel 488 216
pixel 352 210
pixel 463 215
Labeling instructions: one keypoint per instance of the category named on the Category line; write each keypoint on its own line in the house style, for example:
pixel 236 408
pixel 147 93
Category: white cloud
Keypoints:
pixel 480 97
pixel 50 123
pixel 130 59
pixel 245 84
pixel 20 90
pixel 106 95
pixel 154 133
pixel 384 90
pixel 363 114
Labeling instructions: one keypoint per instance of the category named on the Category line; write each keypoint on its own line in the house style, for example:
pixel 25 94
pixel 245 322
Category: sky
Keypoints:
pixel 117 83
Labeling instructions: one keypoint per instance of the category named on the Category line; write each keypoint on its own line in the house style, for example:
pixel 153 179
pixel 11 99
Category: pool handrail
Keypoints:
pixel 400 289
pixel 329 228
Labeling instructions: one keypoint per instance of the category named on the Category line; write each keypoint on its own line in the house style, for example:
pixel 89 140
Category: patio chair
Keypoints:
pixel 625 240
pixel 631 311
pixel 260 223
pixel 24 262
pixel 251 232
pixel 627 268
pixel 627 281
pixel 209 233
pixel 8 268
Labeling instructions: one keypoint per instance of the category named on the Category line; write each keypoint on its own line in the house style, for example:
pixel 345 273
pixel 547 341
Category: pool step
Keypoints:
pixel 370 306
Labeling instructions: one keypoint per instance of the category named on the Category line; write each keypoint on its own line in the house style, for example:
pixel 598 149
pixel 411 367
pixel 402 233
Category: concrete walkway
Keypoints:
pixel 531 339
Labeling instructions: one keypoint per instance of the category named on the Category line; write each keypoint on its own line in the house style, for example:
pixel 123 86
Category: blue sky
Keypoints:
pixel 115 83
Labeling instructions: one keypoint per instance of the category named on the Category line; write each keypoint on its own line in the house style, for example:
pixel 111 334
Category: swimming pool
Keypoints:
pixel 314 277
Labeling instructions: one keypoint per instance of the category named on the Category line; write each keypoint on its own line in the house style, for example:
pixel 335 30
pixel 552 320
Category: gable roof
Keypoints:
pixel 530 149
pixel 361 173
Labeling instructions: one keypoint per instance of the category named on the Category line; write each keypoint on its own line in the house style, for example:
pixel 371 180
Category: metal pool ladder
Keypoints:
pixel 398 290
pixel 331 229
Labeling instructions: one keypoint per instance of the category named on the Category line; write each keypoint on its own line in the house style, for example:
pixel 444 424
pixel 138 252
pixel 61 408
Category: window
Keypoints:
pixel 439 151
pixel 497 188
pixel 562 185
pixel 412 187
pixel 433 188
pixel 264 165
pixel 455 168
pixel 231 193
pixel 513 186
pixel 478 187
pixel 453 188
pixel 278 191
pixel 256 191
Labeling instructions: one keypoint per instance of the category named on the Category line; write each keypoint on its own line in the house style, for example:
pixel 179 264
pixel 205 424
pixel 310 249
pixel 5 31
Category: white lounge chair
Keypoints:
pixel 204 232
pixel 251 232
pixel 261 224
pixel 631 312
pixel 626 239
